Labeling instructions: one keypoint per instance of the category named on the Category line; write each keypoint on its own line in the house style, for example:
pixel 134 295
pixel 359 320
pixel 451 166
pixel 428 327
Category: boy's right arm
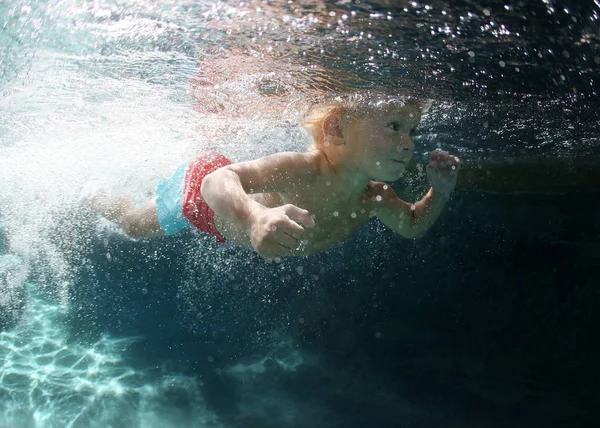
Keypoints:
pixel 273 232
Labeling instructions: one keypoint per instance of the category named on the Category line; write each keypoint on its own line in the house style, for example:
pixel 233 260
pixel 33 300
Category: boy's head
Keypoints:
pixel 370 134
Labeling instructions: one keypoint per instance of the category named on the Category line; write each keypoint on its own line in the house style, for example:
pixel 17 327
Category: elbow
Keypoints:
pixel 414 234
pixel 208 186
pixel 417 228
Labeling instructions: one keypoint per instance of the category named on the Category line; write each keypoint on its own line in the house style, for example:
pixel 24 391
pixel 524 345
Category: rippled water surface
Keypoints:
pixel 99 330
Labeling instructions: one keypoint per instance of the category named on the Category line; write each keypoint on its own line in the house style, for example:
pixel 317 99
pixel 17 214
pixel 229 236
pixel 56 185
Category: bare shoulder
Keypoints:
pixel 281 161
pixel 275 172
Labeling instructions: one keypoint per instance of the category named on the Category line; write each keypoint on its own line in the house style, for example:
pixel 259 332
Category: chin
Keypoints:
pixel 388 176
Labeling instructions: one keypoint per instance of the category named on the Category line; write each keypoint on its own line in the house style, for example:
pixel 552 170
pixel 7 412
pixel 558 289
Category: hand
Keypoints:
pixel 442 171
pixel 275 232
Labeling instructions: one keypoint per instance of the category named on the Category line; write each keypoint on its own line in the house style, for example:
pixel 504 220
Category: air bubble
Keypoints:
pixel 353 215
pixel 378 198
pixel 335 213
pixel 486 12
pixel 502 64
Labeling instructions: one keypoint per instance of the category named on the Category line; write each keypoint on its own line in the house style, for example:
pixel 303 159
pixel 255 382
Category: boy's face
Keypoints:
pixel 381 142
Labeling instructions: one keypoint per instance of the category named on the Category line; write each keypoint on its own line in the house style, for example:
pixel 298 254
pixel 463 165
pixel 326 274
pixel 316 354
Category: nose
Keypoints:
pixel 406 146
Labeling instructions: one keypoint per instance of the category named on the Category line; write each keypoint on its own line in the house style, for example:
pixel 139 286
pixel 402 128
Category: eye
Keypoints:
pixel 394 126
pixel 412 132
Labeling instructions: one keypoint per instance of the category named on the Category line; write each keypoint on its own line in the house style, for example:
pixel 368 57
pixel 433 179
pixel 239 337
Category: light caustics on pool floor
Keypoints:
pixel 45 381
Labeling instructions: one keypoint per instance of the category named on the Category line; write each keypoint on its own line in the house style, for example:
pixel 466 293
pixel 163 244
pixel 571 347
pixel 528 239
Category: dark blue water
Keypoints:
pixel 490 320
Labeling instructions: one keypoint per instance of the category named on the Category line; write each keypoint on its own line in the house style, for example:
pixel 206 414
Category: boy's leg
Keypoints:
pixel 136 222
pixel 142 222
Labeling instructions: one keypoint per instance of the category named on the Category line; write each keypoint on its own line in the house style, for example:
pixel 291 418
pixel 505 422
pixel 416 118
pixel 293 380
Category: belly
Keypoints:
pixel 334 223
pixel 321 238
pixel 332 227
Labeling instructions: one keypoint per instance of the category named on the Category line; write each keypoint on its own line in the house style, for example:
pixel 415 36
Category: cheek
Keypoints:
pixel 379 142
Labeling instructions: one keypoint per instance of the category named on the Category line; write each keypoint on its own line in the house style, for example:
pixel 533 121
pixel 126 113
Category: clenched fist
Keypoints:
pixel 442 171
pixel 275 232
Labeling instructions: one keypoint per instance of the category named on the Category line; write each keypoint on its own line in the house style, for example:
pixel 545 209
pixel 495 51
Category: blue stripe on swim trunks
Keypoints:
pixel 169 194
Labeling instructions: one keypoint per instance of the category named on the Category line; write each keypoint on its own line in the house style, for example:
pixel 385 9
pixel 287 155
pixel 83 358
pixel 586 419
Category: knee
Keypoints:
pixel 129 225
pixel 141 223
pixel 133 226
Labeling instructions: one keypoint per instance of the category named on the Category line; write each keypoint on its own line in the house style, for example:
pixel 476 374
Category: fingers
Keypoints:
pixel 299 215
pixel 278 231
pixel 276 251
pixel 275 254
pixel 443 161
pixel 442 155
pixel 287 241
pixel 283 237
pixel 290 227
pixel 442 171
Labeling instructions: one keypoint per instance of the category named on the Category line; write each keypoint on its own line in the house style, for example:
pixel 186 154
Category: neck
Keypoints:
pixel 347 182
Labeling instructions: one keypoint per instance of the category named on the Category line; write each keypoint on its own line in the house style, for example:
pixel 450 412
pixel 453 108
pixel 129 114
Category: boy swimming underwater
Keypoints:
pixel 298 204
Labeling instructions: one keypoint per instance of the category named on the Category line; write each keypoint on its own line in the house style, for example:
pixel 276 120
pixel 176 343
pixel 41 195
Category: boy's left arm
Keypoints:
pixel 413 220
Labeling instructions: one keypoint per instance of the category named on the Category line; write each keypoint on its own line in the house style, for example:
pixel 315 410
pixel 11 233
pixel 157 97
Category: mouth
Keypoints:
pixel 399 161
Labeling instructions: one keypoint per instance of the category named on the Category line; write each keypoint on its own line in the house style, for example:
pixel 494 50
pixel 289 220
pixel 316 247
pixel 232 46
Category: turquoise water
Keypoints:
pixel 84 97
pixel 99 94
pixel 99 330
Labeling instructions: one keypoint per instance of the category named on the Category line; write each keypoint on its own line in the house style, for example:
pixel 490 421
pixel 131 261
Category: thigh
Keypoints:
pixel 143 222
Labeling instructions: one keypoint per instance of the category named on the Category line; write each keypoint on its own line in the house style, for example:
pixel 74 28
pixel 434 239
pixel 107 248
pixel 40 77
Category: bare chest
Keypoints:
pixel 335 220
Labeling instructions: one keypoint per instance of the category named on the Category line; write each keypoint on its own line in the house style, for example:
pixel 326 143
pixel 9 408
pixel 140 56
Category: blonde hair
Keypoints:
pixel 353 106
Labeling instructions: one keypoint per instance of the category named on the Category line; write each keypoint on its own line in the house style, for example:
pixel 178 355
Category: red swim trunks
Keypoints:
pixel 194 207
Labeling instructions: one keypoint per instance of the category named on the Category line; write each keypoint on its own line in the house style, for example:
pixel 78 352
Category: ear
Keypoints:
pixel 332 127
